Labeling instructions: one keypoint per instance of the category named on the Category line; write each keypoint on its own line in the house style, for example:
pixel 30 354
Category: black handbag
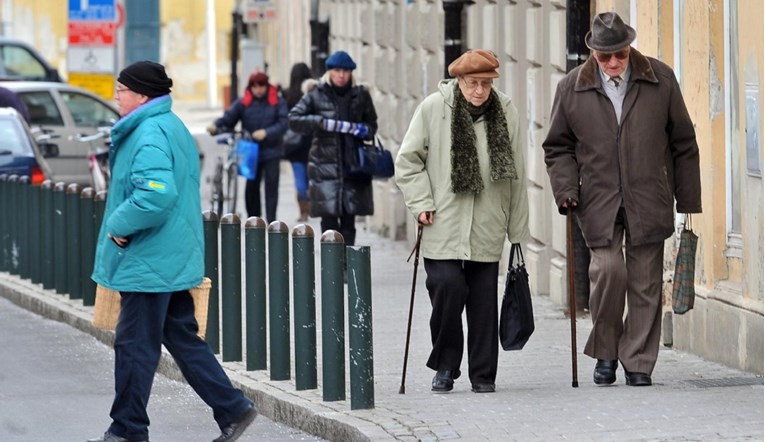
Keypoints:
pixel 516 321
pixel 369 160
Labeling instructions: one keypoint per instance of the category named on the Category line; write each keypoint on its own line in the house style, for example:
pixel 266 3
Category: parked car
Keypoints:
pixel 21 62
pixel 19 152
pixel 67 114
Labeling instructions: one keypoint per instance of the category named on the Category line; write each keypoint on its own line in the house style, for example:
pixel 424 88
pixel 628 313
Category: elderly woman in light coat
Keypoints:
pixel 462 173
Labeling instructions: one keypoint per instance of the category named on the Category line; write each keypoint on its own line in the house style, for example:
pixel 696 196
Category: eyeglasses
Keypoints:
pixel 118 90
pixel 606 56
pixel 472 84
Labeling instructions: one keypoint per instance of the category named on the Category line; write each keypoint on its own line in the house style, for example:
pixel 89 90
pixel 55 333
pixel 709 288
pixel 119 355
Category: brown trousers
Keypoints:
pixel 632 338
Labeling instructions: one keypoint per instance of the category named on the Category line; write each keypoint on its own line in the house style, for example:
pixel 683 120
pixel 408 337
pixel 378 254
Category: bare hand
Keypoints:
pixel 121 242
pixel 572 202
pixel 426 218
pixel 259 135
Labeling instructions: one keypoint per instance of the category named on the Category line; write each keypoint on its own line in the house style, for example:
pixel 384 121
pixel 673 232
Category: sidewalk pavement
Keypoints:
pixel 691 399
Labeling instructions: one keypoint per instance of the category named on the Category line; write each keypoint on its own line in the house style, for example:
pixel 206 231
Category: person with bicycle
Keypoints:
pixel 262 113
pixel 151 249
pixel 339 114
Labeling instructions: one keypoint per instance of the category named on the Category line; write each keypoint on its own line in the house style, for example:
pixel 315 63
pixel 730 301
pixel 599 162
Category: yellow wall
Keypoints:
pixel 41 23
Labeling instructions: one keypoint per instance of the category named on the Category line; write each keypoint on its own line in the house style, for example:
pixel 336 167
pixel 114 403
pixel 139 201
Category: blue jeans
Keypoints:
pixel 148 320
pixel 300 170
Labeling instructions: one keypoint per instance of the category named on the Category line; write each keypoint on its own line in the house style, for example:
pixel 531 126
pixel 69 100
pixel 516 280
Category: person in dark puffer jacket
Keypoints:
pixel 263 114
pixel 339 114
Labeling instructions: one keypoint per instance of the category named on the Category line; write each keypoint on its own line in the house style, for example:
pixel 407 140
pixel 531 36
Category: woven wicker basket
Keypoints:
pixel 106 312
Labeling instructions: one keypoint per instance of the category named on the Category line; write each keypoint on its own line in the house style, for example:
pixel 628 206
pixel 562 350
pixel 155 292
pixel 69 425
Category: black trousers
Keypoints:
pixel 454 286
pixel 269 169
pixel 345 224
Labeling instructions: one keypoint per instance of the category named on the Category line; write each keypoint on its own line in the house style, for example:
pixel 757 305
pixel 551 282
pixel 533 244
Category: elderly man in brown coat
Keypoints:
pixel 620 150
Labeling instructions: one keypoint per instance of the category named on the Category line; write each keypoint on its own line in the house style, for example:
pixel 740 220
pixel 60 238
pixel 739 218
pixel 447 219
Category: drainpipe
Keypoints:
pixel 236 25
pixel 577 26
pixel 454 31
pixel 319 40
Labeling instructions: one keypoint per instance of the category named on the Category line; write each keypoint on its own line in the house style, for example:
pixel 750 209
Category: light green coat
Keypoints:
pixel 466 226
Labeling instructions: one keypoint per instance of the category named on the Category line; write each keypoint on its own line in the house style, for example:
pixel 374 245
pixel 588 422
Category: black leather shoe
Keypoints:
pixel 483 388
pixel 111 437
pixel 605 372
pixel 443 381
pixel 236 428
pixel 637 379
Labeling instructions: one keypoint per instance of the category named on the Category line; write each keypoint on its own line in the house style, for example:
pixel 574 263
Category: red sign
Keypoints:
pixel 92 33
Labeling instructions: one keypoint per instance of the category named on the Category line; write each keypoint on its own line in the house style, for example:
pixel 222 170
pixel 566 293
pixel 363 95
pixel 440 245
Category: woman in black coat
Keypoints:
pixel 296 146
pixel 340 115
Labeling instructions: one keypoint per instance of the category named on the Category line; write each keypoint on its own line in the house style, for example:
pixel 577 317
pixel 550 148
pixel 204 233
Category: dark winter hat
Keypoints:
pixel 259 78
pixel 146 78
pixel 476 62
pixel 340 60
pixel 609 33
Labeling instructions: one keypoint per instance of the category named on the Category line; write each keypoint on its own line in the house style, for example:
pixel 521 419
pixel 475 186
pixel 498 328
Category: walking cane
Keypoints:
pixel 416 253
pixel 571 290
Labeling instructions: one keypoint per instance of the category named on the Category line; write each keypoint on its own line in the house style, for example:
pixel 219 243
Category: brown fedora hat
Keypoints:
pixel 609 33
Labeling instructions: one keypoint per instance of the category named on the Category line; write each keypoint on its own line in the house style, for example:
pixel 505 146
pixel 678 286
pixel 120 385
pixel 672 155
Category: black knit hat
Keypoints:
pixel 146 78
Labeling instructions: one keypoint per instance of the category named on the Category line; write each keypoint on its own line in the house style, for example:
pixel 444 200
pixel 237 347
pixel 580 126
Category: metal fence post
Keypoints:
pixel 46 233
pixel 59 237
pixel 231 283
pixel 210 223
pixel 35 232
pixel 255 292
pixel 304 294
pixel 4 221
pixel 360 328
pixel 332 318
pixel 12 194
pixel 22 238
pixel 88 241
pixel 73 243
pixel 279 300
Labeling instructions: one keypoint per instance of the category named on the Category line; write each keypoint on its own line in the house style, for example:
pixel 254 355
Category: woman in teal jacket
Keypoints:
pixel 150 249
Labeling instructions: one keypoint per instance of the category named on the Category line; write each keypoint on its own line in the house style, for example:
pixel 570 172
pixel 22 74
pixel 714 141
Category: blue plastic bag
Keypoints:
pixel 247 153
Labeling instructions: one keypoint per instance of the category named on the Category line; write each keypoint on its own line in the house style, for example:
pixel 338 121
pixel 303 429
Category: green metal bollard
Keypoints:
pixel 22 237
pixel 4 220
pixel 99 208
pixel 73 243
pixel 304 293
pixel 210 223
pixel 332 318
pixel 35 235
pixel 360 328
pixel 88 242
pixel 12 193
pixel 255 292
pixel 46 233
pixel 279 300
pixel 231 283
pixel 59 238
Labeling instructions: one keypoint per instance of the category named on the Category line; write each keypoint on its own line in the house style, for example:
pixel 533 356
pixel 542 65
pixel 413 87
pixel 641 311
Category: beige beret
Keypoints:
pixel 477 63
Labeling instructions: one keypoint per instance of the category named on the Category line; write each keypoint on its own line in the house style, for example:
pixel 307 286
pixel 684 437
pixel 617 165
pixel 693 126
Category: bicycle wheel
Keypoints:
pixel 232 188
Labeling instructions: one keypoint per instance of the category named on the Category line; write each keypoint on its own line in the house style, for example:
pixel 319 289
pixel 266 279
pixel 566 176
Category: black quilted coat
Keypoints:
pixel 332 193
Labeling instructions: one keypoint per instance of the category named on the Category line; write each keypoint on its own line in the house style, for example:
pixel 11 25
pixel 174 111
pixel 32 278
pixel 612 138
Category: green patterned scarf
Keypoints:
pixel 466 173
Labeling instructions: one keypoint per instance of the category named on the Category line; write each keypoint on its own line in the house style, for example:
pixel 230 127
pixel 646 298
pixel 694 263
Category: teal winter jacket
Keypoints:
pixel 153 201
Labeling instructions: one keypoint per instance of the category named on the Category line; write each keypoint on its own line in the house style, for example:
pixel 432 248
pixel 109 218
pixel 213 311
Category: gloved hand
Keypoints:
pixel 360 130
pixel 259 135
pixel 212 129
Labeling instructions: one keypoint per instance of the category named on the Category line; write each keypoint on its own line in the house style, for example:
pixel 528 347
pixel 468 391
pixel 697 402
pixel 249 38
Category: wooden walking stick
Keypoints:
pixel 416 253
pixel 571 289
